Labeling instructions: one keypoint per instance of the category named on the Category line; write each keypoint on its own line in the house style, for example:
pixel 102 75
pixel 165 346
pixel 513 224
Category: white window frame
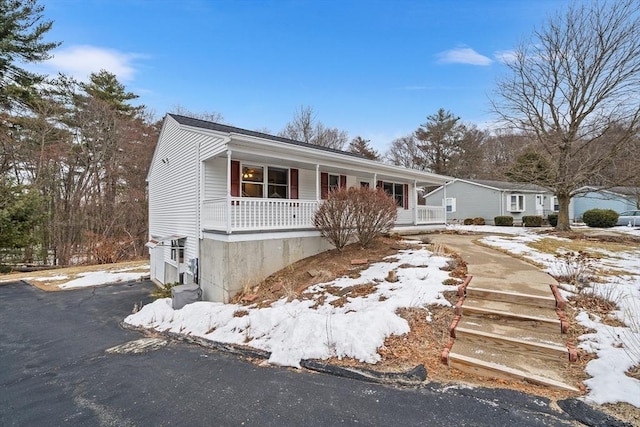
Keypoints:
pixel 399 201
pixel 554 203
pixel 265 180
pixel 177 250
pixel 450 202
pixel 333 186
pixel 519 207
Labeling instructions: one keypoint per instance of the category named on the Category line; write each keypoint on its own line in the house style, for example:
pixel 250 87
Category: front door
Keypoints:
pixel 539 204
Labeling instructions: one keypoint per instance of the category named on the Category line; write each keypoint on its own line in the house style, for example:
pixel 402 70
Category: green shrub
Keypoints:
pixel 503 221
pixel 468 221
pixel 5 269
pixel 478 221
pixel 602 218
pixel 532 221
pixel 553 219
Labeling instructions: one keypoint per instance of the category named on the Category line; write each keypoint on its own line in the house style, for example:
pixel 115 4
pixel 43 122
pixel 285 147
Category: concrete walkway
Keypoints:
pixel 492 269
pixel 507 323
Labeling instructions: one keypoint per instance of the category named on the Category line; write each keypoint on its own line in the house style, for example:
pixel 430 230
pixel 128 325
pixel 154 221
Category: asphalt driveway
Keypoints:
pixel 55 370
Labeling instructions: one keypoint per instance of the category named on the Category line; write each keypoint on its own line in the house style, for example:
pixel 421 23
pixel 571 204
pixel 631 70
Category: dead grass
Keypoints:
pixel 294 280
pixel 48 280
pixel 594 248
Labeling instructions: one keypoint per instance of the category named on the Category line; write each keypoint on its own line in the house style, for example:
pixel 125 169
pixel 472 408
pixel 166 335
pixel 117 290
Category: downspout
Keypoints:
pixel 228 191
pixel 199 197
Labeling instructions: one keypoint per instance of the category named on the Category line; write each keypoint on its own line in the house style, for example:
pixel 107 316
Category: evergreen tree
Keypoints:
pixel 440 140
pixel 22 29
pixel 20 213
pixel 361 146
pixel 106 87
pixel 531 167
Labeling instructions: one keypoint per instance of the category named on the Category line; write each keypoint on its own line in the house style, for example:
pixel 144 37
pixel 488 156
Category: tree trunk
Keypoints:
pixel 563 212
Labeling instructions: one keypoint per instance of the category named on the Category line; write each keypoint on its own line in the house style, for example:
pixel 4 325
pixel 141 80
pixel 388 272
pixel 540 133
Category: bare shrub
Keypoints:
pixel 355 212
pixel 575 268
pixel 335 218
pixel 631 335
pixel 108 250
pixel 374 213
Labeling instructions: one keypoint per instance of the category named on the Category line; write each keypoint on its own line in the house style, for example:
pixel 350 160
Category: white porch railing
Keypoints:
pixel 251 214
pixel 248 214
pixel 430 215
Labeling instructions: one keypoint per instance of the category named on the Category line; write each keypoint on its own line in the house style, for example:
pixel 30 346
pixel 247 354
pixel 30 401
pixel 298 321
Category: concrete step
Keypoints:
pixel 518 368
pixel 481 366
pixel 499 327
pixel 512 297
pixel 507 344
pixel 512 314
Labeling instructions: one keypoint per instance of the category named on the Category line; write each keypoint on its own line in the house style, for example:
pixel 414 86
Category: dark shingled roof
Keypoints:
pixel 504 185
pixel 204 124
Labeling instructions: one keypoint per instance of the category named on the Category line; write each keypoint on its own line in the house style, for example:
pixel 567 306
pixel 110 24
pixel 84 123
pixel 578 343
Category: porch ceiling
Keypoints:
pixel 343 166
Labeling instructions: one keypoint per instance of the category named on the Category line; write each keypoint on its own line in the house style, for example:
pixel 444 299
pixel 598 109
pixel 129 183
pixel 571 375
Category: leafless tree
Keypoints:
pixel 305 128
pixel 210 116
pixel 577 78
pixel 404 152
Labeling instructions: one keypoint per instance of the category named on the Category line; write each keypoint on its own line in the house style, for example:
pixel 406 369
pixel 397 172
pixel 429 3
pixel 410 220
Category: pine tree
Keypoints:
pixel 361 146
pixel 22 29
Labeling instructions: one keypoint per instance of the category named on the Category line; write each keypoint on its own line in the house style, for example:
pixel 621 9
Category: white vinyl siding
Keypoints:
pixel 173 189
pixel 307 184
pixel 215 178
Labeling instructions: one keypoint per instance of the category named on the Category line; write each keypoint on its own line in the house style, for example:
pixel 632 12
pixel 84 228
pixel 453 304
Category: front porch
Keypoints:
pixel 242 214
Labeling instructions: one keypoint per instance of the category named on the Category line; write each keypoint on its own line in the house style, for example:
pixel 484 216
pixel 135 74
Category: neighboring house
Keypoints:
pixel 487 199
pixel 619 199
pixel 229 206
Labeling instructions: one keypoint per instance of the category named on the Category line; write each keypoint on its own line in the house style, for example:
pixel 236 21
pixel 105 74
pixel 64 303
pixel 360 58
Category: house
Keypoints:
pixel 229 206
pixel 487 199
pixel 619 199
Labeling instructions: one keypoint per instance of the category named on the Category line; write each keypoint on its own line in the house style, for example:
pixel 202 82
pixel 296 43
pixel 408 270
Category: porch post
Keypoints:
pixel 317 182
pixel 415 202
pixel 228 192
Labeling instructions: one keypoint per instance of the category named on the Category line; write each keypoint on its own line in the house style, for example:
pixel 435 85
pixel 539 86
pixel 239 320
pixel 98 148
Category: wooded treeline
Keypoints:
pixel 76 156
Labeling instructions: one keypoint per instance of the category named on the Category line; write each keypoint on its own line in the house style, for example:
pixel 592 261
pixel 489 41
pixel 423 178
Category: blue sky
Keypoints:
pixel 374 68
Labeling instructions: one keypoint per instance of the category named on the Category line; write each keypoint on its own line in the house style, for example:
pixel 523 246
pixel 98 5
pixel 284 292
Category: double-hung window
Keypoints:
pixel 334 182
pixel 272 184
pixel 516 202
pixel 177 250
pixel 252 181
pixel 396 191
pixel 278 183
pixel 450 204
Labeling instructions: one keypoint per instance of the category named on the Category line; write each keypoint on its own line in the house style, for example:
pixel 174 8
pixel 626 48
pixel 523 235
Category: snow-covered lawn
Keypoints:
pixel 83 276
pixel 617 348
pixel 314 328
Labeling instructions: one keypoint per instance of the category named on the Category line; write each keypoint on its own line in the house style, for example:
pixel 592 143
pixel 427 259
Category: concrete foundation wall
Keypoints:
pixel 225 267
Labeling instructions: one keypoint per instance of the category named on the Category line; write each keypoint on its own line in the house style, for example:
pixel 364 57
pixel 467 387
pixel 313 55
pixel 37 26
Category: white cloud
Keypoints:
pixel 505 56
pixel 463 55
pixel 81 60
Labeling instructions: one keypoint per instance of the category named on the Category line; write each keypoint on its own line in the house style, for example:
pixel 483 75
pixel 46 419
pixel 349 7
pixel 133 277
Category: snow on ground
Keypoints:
pixel 94 278
pixel 617 348
pixel 313 328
